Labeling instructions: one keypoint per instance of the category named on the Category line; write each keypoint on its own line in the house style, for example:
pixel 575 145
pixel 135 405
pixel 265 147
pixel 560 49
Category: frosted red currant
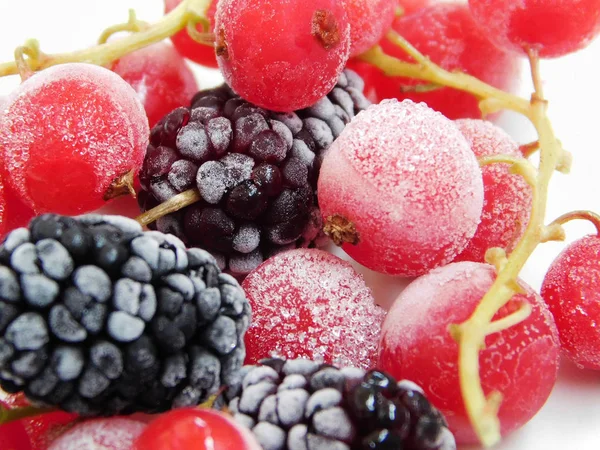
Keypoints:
pixel 369 20
pixel 311 304
pixel 571 288
pixel 69 134
pixel 551 27
pixel 410 208
pixel 520 362
pixel 282 55
pixel 107 434
pixel 507 196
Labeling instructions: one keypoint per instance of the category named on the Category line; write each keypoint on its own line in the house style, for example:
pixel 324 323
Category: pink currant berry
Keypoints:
pixel 369 20
pixel 103 434
pixel 282 55
pixel 401 189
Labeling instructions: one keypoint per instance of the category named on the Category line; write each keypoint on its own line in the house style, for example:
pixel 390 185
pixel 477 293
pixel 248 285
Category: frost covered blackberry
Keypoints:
pixel 98 317
pixel 255 171
pixel 300 404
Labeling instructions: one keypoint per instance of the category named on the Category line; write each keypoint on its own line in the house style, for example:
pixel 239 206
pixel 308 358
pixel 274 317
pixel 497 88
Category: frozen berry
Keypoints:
pixel 197 429
pixel 68 133
pixel 369 20
pixel 309 303
pixel 448 35
pixel 571 289
pixel 160 76
pixel 552 27
pixel 410 208
pixel 507 197
pixel 297 51
pixel 410 6
pixel 520 362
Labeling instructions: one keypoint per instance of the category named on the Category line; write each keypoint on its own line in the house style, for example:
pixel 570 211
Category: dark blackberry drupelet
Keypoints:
pixel 100 318
pixel 303 405
pixel 255 170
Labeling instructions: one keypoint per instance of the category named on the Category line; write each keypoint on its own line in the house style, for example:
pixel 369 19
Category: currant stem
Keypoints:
pixel 10 415
pixel 172 205
pixel 108 52
pixel 574 215
pixel 132 25
pixel 471 334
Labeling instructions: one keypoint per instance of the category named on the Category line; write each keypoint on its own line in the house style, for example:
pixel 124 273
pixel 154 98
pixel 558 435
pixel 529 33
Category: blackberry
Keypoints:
pixel 100 318
pixel 301 404
pixel 255 171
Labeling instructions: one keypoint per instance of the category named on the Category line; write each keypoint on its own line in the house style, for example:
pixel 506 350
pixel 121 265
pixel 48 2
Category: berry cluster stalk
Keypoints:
pixel 187 12
pixel 471 334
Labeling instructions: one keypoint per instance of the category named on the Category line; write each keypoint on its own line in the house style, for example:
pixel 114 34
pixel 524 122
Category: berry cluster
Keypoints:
pixel 352 122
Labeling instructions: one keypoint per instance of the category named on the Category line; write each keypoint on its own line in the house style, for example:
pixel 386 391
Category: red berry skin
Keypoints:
pixel 369 20
pixel 16 212
pixel 552 27
pixel 507 196
pixel 113 433
pixel 199 53
pixel 161 78
pixel 195 429
pixel 450 37
pixel 297 50
pixel 520 362
pixel 44 429
pixel 571 288
pixel 13 435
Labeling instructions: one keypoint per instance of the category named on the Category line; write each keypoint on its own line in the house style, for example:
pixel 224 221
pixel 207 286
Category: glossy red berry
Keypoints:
pixel 450 37
pixel 161 78
pixel 410 6
pixel 195 429
pixel 188 47
pixel 67 134
pixel 520 362
pixel 282 55
pixel 552 27
pixel 571 289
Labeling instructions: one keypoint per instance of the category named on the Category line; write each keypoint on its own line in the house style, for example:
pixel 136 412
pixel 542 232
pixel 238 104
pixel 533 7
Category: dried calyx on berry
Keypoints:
pixel 255 170
pixel 98 317
pixel 301 404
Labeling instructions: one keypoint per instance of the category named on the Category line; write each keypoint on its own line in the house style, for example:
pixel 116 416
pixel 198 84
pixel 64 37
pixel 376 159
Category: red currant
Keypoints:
pixel 450 37
pixel 369 20
pixel 161 78
pixel 507 197
pixel 311 304
pixel 571 289
pixel 410 6
pixel 282 55
pixel 410 208
pixel 195 429
pixel 552 27
pixel 68 133
pixel 188 47
pixel 520 362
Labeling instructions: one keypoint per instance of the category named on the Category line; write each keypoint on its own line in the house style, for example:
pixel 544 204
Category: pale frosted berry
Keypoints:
pixel 401 189
pixel 309 303
pixel 106 434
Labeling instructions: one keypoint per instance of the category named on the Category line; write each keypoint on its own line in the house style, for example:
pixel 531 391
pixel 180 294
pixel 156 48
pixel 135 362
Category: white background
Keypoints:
pixel 571 418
